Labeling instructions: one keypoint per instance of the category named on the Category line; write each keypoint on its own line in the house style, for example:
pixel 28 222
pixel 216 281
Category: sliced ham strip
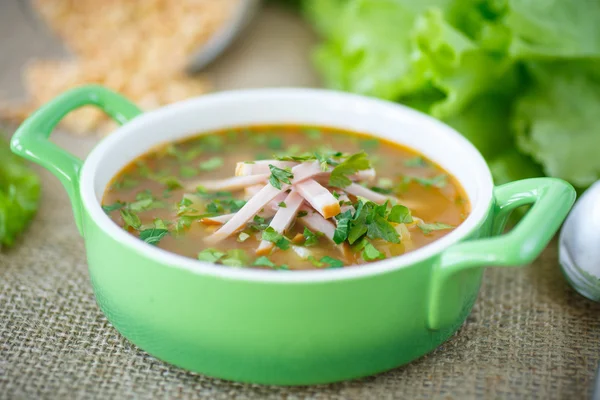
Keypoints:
pixel 250 209
pixel 361 191
pixel 218 220
pixel 282 220
pixel 315 222
pixel 260 200
pixel 230 184
pixel 319 198
pixel 261 167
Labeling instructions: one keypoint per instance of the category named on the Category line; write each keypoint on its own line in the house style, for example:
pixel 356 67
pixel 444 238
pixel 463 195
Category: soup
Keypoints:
pixel 285 197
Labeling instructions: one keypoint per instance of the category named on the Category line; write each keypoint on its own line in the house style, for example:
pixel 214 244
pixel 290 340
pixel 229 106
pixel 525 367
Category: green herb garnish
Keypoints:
pixel 279 175
pixel 310 238
pixel 368 219
pixel 438 181
pixel 282 204
pixel 210 255
pixel 126 183
pixel 153 235
pixel 312 133
pixel 275 143
pixel 188 172
pixel 438 226
pixel 171 182
pixel 131 219
pixel 235 258
pixel 417 161
pixel 263 262
pixel 113 207
pixel 333 262
pixel 271 235
pixel 351 165
pixel 301 214
pixel 211 164
pixel 400 214
pixel 369 252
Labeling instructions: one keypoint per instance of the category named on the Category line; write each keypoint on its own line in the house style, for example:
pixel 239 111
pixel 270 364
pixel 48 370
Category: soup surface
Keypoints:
pixel 285 197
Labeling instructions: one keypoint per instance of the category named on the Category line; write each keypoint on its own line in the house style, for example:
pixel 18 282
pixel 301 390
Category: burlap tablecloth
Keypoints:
pixel 529 336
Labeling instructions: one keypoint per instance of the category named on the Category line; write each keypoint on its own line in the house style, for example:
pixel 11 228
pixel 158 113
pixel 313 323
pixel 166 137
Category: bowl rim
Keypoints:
pixel 93 207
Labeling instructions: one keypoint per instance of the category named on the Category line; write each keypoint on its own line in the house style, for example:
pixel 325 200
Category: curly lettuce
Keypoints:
pixel 19 195
pixel 519 78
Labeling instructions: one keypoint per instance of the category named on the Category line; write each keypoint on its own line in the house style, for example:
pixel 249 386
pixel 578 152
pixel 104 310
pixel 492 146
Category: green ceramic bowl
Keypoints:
pixel 278 327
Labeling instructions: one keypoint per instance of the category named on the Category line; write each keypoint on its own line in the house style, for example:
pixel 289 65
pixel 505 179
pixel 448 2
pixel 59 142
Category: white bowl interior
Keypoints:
pixel 290 106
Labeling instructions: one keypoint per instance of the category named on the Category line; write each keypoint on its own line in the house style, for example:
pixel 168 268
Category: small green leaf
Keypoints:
pixel 131 219
pixel 438 226
pixel 417 161
pixel 438 181
pixel 400 214
pixel 382 229
pixel 333 262
pixel 210 255
pixel 211 164
pixel 188 172
pixel 160 224
pixel 312 133
pixel 171 182
pixel 275 143
pixel 113 207
pixel 153 235
pixel 282 204
pixel 343 227
pixel 271 235
pixel 301 214
pixel 279 175
pixel 263 262
pixel 310 238
pixel 235 258
pixel 351 165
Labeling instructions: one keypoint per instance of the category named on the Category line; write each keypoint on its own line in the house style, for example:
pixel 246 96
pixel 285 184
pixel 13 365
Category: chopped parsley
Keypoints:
pixel 417 161
pixel 113 207
pixel 153 235
pixel 369 144
pixel 330 262
pixel 400 214
pixel 235 258
pixel 211 164
pixel 310 238
pixel 312 133
pixel 264 262
pixel 282 204
pixel 131 219
pixel 271 235
pixel 368 219
pixel 275 143
pixel 437 181
pixel 438 226
pixel 126 183
pixel 171 182
pixel 351 165
pixel 301 214
pixel 369 252
pixel 188 172
pixel 210 255
pixel 279 175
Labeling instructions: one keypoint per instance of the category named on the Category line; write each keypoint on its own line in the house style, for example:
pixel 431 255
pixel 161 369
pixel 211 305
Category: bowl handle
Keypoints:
pixel 551 200
pixel 31 139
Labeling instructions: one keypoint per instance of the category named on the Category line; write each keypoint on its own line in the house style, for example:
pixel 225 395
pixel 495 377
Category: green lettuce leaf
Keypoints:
pixel 19 195
pixel 556 120
pixel 554 29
